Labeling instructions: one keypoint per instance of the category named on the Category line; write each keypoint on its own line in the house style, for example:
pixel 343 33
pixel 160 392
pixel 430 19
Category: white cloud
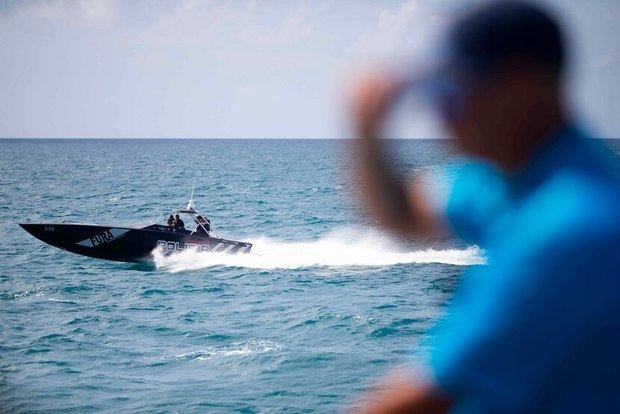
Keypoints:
pixel 191 22
pixel 89 13
pixel 409 29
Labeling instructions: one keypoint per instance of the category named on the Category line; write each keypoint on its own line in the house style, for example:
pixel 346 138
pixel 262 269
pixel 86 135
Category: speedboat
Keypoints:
pixel 135 244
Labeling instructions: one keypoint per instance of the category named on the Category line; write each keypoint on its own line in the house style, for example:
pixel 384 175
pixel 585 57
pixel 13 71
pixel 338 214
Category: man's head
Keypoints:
pixel 176 217
pixel 502 82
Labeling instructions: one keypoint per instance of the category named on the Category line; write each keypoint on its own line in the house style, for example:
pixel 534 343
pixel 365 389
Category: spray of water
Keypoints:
pixel 343 247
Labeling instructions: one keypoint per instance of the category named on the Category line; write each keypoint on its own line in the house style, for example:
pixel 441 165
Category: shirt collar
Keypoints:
pixel 545 159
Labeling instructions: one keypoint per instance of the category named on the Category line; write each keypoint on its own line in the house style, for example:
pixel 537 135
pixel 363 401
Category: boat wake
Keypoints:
pixel 344 247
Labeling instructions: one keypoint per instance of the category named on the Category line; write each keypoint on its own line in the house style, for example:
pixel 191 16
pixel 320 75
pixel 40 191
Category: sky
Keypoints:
pixel 244 69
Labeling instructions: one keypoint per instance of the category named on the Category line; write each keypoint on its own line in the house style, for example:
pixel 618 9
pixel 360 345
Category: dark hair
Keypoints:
pixel 501 30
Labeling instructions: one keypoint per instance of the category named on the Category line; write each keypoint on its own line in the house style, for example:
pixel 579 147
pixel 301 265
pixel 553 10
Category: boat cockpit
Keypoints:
pixel 203 224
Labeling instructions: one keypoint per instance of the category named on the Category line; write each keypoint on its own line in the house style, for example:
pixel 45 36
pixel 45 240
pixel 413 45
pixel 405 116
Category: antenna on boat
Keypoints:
pixel 190 204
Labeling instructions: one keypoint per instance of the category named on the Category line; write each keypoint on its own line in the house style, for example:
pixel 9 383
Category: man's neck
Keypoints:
pixel 530 134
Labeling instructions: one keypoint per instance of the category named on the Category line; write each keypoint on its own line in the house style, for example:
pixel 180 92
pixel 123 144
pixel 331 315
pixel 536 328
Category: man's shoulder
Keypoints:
pixel 582 194
pixel 574 212
pixel 571 207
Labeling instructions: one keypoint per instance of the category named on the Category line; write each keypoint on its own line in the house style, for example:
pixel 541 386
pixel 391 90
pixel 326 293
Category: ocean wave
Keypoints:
pixel 237 349
pixel 344 247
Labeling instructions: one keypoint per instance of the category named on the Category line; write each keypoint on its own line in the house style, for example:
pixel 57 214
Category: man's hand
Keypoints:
pixel 370 98
pixel 401 393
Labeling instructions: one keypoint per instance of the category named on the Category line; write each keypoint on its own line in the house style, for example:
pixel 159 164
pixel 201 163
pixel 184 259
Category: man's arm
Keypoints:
pixel 398 206
pixel 402 208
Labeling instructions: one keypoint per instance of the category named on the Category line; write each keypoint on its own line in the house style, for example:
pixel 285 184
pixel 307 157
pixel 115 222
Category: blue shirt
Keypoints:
pixel 537 329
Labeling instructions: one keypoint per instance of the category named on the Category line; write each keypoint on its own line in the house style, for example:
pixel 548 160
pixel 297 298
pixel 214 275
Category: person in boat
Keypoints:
pixel 170 222
pixel 204 225
pixel 178 223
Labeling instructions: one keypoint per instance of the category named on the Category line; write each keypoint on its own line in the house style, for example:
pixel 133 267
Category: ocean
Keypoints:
pixel 323 305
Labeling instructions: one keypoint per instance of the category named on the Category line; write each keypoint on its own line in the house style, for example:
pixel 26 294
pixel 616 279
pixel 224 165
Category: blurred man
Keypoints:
pixel 538 328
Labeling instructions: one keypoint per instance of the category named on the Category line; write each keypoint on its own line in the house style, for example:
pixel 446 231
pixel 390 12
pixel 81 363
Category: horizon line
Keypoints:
pixel 205 138
pixel 226 139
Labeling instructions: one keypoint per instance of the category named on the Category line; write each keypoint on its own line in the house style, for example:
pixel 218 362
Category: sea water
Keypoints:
pixel 323 305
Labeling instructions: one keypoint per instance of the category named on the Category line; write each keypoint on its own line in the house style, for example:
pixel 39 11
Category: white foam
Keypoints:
pixel 343 247
pixel 238 349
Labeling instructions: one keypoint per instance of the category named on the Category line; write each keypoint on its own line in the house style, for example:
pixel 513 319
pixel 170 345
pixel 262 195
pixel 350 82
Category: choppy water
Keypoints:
pixel 322 305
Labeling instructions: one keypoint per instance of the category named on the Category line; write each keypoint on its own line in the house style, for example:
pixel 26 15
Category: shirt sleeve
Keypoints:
pixel 468 196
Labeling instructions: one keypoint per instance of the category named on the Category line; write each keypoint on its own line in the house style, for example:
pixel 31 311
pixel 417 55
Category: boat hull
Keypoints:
pixel 125 244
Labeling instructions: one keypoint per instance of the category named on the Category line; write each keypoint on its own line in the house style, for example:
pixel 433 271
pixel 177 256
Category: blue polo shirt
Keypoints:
pixel 537 329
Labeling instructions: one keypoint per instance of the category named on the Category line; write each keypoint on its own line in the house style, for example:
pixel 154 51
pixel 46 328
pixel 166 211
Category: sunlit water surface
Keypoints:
pixel 322 305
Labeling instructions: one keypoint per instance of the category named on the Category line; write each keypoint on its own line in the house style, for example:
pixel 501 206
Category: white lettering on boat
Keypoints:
pixel 103 237
pixel 169 246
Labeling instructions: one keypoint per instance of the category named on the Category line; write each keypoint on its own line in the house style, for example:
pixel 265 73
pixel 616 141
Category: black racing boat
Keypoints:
pixel 133 244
